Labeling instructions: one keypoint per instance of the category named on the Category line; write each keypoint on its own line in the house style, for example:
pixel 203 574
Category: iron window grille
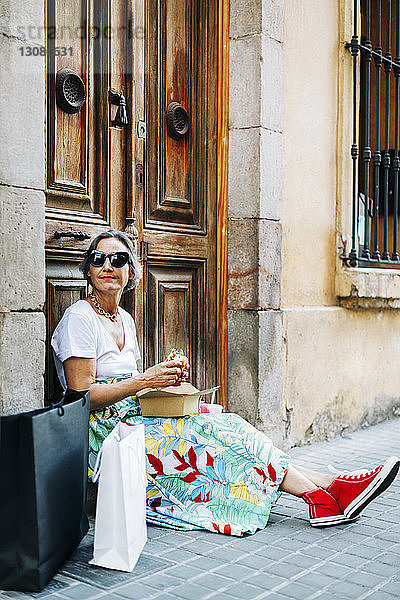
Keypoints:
pixel 375 143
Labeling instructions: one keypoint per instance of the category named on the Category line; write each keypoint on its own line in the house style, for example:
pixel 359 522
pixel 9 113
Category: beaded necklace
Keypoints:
pixel 101 311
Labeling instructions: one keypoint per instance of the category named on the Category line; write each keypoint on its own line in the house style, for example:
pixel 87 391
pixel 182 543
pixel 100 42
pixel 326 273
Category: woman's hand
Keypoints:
pixel 169 372
pixel 80 374
pixel 183 361
pixel 182 377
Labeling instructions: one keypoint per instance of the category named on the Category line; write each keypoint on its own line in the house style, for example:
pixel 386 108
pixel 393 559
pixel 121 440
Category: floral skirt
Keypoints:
pixel 204 471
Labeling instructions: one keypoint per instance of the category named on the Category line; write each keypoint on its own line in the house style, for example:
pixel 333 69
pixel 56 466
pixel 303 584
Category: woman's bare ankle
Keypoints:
pixel 328 479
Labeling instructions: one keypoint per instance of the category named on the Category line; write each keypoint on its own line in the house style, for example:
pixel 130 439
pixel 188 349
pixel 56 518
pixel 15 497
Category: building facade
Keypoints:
pixel 312 342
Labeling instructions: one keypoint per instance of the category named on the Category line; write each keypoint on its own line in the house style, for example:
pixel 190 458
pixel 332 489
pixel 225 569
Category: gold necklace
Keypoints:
pixel 101 311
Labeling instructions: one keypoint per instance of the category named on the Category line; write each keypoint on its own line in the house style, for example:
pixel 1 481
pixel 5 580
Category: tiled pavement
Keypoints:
pixel 287 560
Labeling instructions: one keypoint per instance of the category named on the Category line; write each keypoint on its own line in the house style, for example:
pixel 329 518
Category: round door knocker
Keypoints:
pixel 177 121
pixel 70 91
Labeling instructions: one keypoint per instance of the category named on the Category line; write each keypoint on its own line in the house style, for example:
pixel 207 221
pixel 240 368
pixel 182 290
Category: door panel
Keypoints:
pixel 176 218
pixel 67 171
pixel 88 165
pixel 60 293
pixel 89 172
pixel 176 174
pixel 176 311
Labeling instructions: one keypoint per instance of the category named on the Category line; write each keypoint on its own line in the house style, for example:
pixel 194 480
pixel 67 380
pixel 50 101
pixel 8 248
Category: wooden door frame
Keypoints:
pixel 222 200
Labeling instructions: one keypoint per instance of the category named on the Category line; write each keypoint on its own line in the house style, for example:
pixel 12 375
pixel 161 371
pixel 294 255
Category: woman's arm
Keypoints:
pixel 80 374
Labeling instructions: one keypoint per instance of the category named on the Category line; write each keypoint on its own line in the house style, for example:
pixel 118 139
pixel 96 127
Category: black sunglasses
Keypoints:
pixel 117 259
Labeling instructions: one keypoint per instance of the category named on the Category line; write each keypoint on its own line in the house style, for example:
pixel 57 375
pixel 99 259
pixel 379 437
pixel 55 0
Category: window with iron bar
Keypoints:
pixel 375 49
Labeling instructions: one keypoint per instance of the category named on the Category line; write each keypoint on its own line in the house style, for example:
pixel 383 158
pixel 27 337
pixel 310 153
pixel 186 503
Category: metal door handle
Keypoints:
pixel 118 99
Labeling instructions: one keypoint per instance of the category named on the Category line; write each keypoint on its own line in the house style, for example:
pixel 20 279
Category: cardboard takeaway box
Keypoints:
pixel 171 401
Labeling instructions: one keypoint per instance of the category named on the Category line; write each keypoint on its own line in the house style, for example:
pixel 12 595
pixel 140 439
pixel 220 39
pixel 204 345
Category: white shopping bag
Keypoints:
pixel 120 530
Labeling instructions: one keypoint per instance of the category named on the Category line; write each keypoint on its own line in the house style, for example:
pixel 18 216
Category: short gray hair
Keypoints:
pixel 135 268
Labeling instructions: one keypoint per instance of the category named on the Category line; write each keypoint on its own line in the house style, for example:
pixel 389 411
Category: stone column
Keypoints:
pixel 22 170
pixel 255 340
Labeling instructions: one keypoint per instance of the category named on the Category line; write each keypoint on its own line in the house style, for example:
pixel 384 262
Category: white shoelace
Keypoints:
pixel 345 473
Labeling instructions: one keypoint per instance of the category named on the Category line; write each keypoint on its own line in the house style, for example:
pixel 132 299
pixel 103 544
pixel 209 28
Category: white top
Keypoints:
pixel 81 333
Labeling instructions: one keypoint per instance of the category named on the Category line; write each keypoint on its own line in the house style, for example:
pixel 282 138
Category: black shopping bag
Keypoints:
pixel 43 477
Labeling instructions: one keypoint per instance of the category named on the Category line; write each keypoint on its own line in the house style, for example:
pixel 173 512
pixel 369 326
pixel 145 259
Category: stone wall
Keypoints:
pixel 304 365
pixel 340 365
pixel 22 168
pixel 255 340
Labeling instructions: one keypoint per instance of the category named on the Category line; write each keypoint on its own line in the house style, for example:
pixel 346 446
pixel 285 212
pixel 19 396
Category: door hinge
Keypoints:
pixel 144 249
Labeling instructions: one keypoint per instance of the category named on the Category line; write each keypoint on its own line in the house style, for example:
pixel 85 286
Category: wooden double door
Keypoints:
pixel 150 171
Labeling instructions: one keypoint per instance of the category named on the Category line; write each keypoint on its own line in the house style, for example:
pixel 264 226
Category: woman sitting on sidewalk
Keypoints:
pixel 212 471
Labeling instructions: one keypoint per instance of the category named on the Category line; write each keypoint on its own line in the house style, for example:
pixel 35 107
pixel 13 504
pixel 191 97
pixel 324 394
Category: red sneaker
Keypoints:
pixel 323 509
pixel 354 490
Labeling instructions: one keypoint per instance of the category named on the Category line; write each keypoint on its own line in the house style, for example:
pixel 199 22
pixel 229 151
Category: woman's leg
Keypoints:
pixel 322 480
pixel 323 509
pixel 296 483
